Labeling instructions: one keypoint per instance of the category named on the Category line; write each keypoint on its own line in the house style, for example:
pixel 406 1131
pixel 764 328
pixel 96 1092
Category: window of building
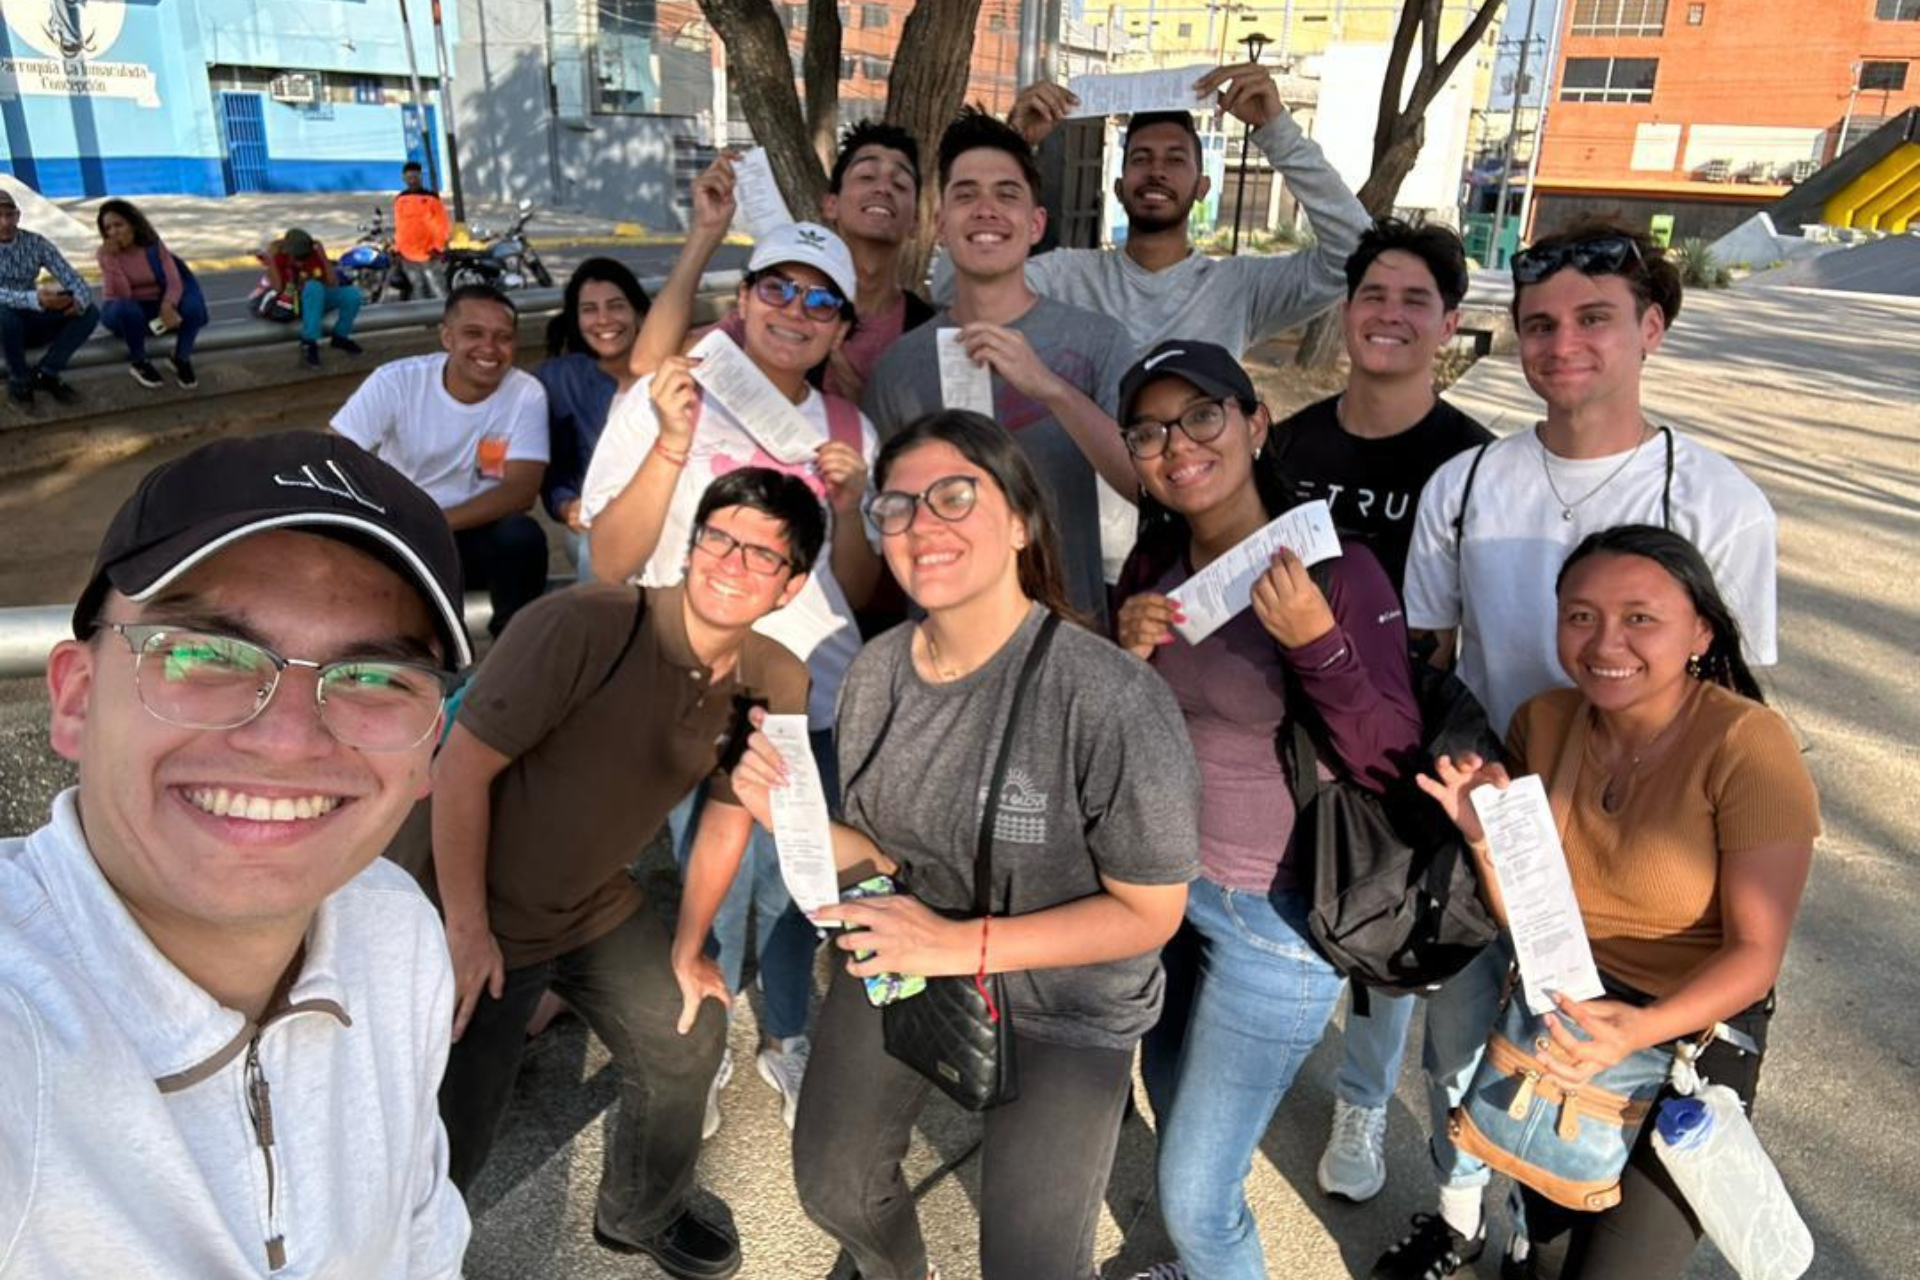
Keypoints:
pixel 1609 80
pixel 622 57
pixel 1186 31
pixel 1897 10
pixel 1883 75
pixel 1619 17
pixel 848 65
pixel 874 16
pixel 794 16
pixel 1696 14
pixel 876 68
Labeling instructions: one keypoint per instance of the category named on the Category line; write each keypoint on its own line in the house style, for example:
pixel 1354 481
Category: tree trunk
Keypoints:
pixel 1400 132
pixel 761 71
pixel 821 65
pixel 929 80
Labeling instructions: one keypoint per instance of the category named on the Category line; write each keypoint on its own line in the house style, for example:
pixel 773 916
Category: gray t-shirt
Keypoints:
pixel 1091 352
pixel 1101 781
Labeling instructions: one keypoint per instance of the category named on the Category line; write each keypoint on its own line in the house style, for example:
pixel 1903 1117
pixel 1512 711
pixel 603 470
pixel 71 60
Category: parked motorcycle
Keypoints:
pixel 505 261
pixel 370 264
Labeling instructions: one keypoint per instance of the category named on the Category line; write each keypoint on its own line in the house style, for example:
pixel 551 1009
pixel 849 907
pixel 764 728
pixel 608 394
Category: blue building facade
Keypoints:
pixel 214 97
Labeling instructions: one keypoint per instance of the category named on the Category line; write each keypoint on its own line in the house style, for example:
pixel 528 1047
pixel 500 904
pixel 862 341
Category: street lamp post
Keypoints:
pixel 1255 43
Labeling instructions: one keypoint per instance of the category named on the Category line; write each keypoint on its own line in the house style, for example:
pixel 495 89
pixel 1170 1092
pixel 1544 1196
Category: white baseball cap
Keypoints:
pixel 811 244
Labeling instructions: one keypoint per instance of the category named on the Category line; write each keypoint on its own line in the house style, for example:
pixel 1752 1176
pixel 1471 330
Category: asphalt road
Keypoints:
pixel 227 291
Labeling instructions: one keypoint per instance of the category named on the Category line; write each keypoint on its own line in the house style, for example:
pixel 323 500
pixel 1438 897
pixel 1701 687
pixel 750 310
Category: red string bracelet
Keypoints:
pixel 980 975
pixel 677 459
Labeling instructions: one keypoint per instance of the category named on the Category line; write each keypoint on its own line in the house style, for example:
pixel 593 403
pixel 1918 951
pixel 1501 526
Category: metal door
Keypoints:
pixel 243 129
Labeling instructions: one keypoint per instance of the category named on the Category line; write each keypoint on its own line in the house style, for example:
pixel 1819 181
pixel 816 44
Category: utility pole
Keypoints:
pixel 1540 117
pixel 446 113
pixel 1513 131
pixel 419 107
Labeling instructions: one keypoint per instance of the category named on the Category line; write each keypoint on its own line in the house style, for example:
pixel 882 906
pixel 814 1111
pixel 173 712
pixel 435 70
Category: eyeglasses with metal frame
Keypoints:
pixel 951 498
pixel 1201 422
pixel 197 679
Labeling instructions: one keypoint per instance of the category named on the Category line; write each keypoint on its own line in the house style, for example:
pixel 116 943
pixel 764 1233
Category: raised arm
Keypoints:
pixel 670 313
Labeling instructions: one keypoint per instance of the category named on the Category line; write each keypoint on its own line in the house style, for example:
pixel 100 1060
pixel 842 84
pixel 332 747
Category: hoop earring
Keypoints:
pixel 1697 666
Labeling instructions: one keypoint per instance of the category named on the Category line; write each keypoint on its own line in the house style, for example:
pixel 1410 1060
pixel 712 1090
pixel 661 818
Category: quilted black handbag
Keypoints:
pixel 958 1033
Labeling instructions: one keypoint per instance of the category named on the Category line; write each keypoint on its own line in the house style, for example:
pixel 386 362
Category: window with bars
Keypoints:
pixel 623 57
pixel 1897 10
pixel 1619 17
pixel 1608 79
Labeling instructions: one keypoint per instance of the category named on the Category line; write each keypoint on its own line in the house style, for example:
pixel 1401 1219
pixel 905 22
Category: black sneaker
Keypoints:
pixel 347 345
pixel 686 1249
pixel 51 384
pixel 310 354
pixel 21 393
pixel 1431 1251
pixel 183 372
pixel 146 375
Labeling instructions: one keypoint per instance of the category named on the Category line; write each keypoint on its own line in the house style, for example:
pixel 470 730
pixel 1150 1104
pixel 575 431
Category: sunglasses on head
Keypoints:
pixel 1596 256
pixel 817 301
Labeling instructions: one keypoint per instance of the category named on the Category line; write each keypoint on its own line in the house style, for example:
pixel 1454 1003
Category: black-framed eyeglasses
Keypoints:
pixel 816 300
pixel 718 543
pixel 950 497
pixel 1595 256
pixel 1148 438
pixel 204 680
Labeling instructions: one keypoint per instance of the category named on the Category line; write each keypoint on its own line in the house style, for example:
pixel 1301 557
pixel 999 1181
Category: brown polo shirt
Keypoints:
pixel 596 768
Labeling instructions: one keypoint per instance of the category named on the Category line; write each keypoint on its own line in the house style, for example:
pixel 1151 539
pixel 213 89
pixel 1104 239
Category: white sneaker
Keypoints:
pixel 1354 1165
pixel 1163 1271
pixel 783 1068
pixel 711 1125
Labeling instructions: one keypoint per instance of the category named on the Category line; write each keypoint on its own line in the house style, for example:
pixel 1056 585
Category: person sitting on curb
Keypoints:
pixel 298 264
pixel 57 314
pixel 471 430
pixel 223 1015
pixel 147 287
pixel 586 725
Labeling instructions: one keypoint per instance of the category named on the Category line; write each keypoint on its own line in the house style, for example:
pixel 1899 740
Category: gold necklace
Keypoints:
pixel 941 672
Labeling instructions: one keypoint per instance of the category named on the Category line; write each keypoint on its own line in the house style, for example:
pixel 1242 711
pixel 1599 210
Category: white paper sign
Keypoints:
pixel 1215 594
pixel 1549 936
pixel 736 382
pixel 802 833
pixel 762 208
pixel 963 384
pixel 1134 91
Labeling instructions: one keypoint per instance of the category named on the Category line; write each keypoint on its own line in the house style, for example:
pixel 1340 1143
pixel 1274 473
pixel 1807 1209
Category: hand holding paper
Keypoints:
pixel 1225 587
pixel 963 384
pixel 1136 91
pixel 762 207
pixel 736 382
pixel 1549 936
pixel 802 832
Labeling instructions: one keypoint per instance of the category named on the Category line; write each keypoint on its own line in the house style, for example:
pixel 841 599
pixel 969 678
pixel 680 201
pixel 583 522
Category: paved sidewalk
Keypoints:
pixel 1817 396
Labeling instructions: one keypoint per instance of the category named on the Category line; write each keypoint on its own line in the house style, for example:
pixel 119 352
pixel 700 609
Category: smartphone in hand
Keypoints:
pixel 882 988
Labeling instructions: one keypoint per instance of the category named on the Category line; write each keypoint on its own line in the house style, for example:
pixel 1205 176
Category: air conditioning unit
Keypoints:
pixel 299 87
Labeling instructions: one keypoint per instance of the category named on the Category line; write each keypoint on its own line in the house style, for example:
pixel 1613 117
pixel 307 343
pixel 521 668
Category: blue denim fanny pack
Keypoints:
pixel 1569 1144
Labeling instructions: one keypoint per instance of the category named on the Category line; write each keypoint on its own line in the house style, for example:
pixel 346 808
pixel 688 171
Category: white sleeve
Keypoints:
pixel 368 416
pixel 440 1227
pixel 529 438
pixel 22 1120
pixel 631 430
pixel 1432 589
pixel 1745 567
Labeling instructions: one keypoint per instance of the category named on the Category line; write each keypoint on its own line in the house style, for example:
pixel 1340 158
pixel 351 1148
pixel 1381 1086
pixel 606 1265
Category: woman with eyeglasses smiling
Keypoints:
pixel 1092 846
pixel 1248 997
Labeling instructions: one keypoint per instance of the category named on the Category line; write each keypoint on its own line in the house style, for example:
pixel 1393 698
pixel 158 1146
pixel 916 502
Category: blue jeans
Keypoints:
pixel 128 317
pixel 1261 997
pixel 316 300
pixel 783 939
pixel 22 328
pixel 1374 1043
pixel 1459 1017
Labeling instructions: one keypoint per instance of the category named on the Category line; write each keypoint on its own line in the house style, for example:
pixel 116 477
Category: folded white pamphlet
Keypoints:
pixel 1543 917
pixel 1215 594
pixel 802 832
pixel 736 382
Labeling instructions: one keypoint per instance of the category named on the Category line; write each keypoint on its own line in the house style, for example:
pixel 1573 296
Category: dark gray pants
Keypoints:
pixel 1044 1160
pixel 622 984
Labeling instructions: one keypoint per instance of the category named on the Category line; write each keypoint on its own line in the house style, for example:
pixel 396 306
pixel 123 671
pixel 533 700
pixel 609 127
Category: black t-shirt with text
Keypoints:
pixel 1372 486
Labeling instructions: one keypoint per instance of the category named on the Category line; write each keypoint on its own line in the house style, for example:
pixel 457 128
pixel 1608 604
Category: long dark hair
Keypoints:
pixel 988 446
pixel 563 331
pixel 144 235
pixel 1722 664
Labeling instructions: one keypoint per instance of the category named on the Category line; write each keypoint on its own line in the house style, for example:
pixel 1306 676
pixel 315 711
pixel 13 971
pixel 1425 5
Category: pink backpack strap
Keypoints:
pixel 843 423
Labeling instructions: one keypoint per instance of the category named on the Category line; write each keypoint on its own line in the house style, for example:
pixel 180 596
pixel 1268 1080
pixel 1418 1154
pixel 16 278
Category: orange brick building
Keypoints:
pixel 1706 110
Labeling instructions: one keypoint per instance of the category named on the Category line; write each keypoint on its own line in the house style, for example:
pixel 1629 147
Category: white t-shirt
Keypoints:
pixel 1495 585
pixel 403 415
pixel 817 626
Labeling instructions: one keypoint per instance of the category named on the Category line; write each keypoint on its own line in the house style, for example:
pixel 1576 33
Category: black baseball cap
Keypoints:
pixel 196 505
pixel 1204 364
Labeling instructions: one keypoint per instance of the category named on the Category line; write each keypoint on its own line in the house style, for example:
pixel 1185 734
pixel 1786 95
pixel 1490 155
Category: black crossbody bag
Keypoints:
pixel 958 1033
